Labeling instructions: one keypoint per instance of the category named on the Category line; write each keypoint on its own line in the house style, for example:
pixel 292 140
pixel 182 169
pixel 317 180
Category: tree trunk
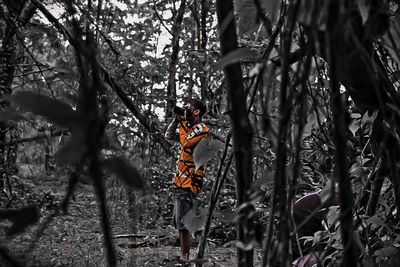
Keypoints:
pixel 8 63
pixel 202 48
pixel 241 129
pixel 334 29
pixel 171 87
pixel 360 70
pixel 7 68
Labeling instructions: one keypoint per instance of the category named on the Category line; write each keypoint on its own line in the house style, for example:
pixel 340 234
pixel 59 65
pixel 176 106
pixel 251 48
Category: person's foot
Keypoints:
pixel 184 258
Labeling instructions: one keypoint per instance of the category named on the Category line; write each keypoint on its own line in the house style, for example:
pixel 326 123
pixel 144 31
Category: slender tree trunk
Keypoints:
pixel 8 63
pixel 203 47
pixel 173 65
pixel 359 69
pixel 241 128
pixel 7 68
pixel 338 109
pixel 286 105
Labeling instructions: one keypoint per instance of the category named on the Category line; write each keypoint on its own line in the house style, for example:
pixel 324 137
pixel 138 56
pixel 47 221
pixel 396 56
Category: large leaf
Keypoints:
pixel 354 126
pixel 236 56
pixel 375 221
pixel 195 219
pixel 125 171
pixel 332 218
pixel 205 150
pixel 73 151
pixel 385 252
pixel 367 121
pixel 10 115
pixel 52 109
pixel 248 14
pixel 271 9
pixel 20 218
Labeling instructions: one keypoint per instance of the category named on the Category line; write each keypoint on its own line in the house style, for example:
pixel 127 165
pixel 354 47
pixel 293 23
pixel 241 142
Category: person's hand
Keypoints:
pixel 180 117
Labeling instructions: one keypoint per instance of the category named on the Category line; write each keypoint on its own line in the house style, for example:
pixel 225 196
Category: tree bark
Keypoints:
pixel 8 63
pixel 203 47
pixel 360 70
pixel 350 254
pixel 241 129
pixel 173 65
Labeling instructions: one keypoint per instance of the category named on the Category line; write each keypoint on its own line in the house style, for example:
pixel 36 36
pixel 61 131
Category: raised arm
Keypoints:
pixel 171 132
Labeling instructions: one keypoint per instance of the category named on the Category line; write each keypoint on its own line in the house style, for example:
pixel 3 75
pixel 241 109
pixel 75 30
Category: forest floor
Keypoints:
pixel 75 238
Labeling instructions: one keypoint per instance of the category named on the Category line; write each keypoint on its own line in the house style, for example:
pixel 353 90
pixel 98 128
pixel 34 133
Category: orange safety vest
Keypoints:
pixel 187 176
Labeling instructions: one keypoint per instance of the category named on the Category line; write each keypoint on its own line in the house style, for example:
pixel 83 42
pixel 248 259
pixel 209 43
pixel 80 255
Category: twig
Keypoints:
pixel 107 77
pixel 108 41
pixel 35 138
pixel 137 236
pixel 161 20
pixel 349 257
pixel 280 182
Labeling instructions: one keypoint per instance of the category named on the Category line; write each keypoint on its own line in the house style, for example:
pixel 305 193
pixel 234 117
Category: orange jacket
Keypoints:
pixel 186 175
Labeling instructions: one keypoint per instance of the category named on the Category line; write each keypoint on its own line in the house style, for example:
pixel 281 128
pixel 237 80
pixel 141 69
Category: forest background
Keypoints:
pixel 299 93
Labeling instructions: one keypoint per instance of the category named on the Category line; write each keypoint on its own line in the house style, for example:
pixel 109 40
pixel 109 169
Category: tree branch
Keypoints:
pixel 35 138
pixel 150 126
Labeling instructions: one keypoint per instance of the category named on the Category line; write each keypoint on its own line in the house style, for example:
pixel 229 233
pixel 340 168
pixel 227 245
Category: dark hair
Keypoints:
pixel 200 105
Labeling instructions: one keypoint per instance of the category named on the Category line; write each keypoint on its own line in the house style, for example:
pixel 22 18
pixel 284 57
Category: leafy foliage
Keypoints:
pixel 133 46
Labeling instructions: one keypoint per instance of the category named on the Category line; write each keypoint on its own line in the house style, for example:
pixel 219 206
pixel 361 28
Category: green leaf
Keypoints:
pixel 355 126
pixel 367 121
pixel 376 220
pixel 52 109
pixel 236 56
pixel 333 216
pixel 385 252
pixel 205 150
pixel 195 219
pixel 20 218
pixel 125 171
pixel 10 115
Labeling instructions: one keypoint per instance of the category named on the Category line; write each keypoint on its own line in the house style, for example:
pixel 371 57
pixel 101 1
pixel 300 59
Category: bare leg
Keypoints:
pixel 185 239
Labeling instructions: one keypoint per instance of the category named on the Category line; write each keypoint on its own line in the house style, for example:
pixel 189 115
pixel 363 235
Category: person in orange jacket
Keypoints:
pixel 188 128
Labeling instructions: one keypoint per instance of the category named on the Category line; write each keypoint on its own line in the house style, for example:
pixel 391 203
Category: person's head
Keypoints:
pixel 195 110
